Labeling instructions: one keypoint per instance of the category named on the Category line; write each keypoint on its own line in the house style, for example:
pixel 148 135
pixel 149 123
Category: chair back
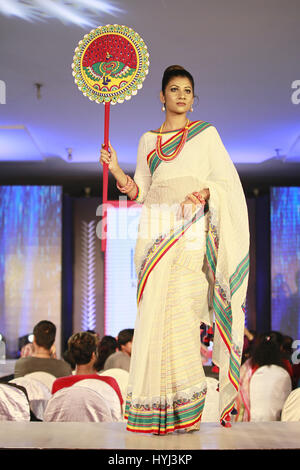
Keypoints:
pixel 38 394
pixel 107 393
pixel 14 405
pixel 78 403
pixel 121 376
pixel 291 407
pixel 269 388
pixel 45 377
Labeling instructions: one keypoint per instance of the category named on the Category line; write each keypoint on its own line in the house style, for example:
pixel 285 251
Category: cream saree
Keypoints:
pixel 190 269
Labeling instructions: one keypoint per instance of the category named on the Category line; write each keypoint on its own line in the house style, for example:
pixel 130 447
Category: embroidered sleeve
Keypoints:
pixel 142 176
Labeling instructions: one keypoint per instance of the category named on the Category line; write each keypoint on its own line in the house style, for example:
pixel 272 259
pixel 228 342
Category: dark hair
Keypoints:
pixel 44 334
pixel 125 336
pixel 81 346
pixel 267 350
pixel 175 71
pixel 106 347
pixel 286 347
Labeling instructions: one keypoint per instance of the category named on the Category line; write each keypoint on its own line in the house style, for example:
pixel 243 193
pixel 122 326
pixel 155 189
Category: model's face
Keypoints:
pixel 178 96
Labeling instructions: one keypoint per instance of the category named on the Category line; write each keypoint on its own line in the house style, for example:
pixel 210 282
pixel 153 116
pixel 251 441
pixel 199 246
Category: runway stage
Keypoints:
pixel 115 442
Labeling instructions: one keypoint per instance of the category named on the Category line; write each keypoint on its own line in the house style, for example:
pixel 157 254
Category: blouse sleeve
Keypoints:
pixel 142 176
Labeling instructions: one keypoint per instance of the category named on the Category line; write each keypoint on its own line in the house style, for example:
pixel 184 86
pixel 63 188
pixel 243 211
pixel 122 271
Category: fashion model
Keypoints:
pixel 192 263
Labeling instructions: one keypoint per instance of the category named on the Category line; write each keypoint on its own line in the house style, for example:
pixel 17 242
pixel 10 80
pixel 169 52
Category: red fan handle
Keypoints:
pixel 105 176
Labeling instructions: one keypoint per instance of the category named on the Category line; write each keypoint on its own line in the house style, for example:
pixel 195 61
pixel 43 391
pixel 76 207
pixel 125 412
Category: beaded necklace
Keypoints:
pixel 179 147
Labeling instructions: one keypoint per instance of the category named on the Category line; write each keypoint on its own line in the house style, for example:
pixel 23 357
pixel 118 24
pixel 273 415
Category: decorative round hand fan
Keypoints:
pixel 109 66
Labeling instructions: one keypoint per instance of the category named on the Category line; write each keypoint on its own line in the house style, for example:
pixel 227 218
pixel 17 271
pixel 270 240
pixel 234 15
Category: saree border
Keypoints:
pixel 169 146
pixel 223 312
pixel 164 418
pixel 160 247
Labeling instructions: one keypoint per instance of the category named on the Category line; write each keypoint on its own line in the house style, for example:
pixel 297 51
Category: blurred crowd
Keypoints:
pixel 89 382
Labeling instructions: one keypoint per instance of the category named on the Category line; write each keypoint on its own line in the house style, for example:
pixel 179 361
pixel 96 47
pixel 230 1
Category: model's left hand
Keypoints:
pixel 189 205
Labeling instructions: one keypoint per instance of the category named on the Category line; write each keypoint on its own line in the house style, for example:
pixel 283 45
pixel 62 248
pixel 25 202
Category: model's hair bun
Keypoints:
pixel 171 68
pixel 175 71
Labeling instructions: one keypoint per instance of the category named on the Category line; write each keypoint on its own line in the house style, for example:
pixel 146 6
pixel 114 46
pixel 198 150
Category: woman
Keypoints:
pixel 106 347
pixel 263 397
pixel 192 265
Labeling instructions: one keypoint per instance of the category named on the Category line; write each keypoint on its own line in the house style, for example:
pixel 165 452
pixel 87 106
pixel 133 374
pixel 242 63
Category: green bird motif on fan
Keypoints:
pixel 107 70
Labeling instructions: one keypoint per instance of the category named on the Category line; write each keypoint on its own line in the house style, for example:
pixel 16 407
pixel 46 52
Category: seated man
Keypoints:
pixel 121 358
pixel 42 358
pixel 82 348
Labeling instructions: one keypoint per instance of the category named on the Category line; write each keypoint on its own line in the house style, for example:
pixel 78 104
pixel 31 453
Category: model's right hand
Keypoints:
pixel 110 157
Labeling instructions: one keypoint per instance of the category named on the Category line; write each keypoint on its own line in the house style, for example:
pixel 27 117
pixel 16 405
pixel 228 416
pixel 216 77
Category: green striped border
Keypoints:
pixel 195 128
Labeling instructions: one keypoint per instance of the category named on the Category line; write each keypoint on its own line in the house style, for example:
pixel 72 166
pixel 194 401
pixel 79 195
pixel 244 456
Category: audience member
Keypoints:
pixel 67 356
pixel 296 374
pixel 82 348
pixel 286 352
pixel 267 353
pixel 106 347
pixel 82 352
pixel 121 358
pixel 249 341
pixel 27 350
pixel 43 358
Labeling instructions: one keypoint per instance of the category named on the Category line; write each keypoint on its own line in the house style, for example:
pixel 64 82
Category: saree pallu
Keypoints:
pixel 227 250
pixel 195 272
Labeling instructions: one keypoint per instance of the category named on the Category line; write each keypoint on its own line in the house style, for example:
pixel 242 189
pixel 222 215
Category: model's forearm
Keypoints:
pixel 119 176
pixel 122 179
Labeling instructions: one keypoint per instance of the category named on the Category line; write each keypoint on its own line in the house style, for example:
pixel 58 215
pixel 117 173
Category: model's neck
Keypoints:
pixel 174 121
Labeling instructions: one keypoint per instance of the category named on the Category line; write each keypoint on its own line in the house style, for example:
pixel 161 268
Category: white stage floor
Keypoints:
pixel 113 436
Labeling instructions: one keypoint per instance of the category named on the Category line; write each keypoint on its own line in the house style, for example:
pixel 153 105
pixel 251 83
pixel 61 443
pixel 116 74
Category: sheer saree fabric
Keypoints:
pixel 190 270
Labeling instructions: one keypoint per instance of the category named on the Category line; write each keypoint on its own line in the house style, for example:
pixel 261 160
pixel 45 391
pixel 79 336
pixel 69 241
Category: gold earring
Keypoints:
pixel 163 108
